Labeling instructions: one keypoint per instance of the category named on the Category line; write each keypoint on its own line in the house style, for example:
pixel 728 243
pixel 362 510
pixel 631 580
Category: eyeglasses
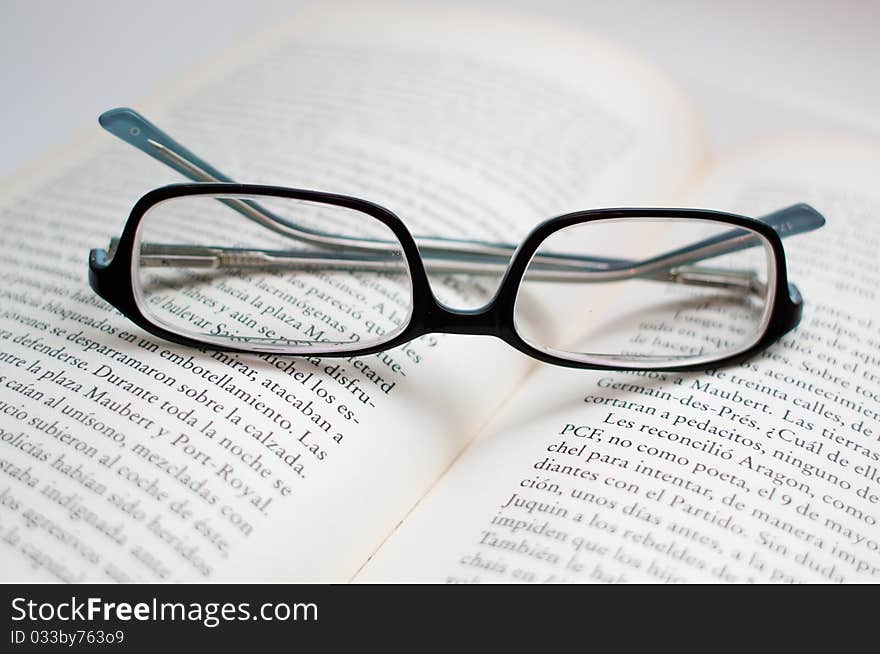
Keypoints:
pixel 267 269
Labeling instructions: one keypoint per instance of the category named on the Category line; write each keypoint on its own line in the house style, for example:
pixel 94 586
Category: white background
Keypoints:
pixel 754 67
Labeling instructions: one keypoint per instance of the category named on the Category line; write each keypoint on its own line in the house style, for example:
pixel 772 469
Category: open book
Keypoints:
pixel 453 458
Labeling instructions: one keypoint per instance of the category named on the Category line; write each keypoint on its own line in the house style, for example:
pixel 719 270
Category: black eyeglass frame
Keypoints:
pixel 112 280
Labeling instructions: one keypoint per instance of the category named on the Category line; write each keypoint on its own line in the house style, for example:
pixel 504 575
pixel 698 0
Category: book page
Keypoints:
pixel 127 458
pixel 762 472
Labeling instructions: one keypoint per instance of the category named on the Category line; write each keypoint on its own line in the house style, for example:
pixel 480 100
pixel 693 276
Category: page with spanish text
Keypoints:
pixel 127 458
pixel 767 471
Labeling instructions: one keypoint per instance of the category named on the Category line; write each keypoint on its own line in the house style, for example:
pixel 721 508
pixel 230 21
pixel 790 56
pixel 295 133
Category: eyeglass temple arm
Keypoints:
pixel 136 130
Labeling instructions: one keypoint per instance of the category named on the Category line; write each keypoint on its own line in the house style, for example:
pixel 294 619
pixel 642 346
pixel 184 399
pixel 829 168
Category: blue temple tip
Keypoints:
pixel 133 128
pixel 130 126
pixel 111 116
pixel 817 217
pixel 126 123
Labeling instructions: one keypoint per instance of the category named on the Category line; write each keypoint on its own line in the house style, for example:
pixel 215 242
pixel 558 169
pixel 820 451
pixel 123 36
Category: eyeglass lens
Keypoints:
pixel 271 274
pixel 646 291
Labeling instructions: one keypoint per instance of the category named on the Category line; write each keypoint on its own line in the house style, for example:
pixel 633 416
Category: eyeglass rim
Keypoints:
pixel 658 364
pixel 111 278
pixel 338 349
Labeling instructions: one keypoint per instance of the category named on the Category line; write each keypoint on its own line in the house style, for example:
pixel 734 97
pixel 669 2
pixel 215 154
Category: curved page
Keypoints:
pixel 125 458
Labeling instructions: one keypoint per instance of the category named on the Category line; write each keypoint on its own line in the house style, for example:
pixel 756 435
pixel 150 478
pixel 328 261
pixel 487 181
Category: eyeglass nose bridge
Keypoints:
pixel 482 321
